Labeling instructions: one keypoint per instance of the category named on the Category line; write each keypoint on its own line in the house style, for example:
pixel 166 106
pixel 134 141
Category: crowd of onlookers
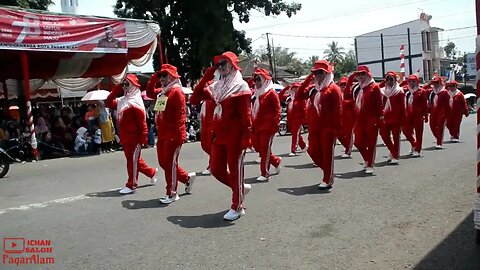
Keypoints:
pixel 84 129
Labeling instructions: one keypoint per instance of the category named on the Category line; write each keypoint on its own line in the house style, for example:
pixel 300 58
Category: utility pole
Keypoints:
pixel 269 54
pixel 409 53
pixel 383 55
pixel 274 63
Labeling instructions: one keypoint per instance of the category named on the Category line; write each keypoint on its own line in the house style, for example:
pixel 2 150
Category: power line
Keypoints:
pixel 366 36
pixel 344 14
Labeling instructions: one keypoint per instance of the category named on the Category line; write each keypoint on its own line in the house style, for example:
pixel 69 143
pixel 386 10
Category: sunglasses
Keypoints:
pixel 222 63
pixel 389 79
pixel 257 79
pixel 125 83
pixel 318 72
pixel 162 75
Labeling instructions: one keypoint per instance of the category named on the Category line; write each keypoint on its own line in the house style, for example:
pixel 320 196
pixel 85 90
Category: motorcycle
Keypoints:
pixel 5 160
pixel 283 127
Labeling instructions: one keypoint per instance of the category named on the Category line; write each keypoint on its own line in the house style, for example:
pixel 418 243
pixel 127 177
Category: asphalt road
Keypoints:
pixel 416 215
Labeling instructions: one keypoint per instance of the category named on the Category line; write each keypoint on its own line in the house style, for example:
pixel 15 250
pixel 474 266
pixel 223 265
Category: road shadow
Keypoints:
pixel 207 221
pixel 301 166
pixel 450 142
pixel 432 148
pixel 385 164
pixel 112 193
pixel 136 204
pixel 351 175
pixel 301 191
pixel 339 157
pixel 251 163
pixel 253 180
pixel 457 251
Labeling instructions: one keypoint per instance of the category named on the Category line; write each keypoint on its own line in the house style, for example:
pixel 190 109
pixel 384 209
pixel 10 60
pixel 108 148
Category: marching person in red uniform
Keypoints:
pixel 324 118
pixel 170 120
pixel 459 108
pixel 231 126
pixel 133 129
pixel 296 111
pixel 439 104
pixel 394 113
pixel 417 114
pixel 348 116
pixel 369 111
pixel 266 118
pixel 206 117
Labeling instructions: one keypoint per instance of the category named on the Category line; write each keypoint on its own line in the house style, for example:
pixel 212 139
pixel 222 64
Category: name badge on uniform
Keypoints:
pixel 161 103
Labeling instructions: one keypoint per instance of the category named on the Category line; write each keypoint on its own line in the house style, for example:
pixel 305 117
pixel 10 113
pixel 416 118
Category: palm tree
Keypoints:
pixel 334 54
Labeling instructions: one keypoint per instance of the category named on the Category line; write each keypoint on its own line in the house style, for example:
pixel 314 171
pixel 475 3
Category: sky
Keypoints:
pixel 342 19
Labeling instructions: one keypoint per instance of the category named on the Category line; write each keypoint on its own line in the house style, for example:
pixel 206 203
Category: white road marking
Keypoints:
pixel 48 203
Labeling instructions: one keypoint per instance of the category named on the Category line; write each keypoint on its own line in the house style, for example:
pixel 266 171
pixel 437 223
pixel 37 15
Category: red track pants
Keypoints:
pixel 135 164
pixel 167 154
pixel 321 146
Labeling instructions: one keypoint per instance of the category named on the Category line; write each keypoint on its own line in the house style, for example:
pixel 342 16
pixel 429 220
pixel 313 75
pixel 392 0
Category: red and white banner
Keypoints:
pixel 21 30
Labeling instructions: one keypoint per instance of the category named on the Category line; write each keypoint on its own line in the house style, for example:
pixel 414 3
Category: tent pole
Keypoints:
pixel 26 82
pixel 5 93
pixel 160 49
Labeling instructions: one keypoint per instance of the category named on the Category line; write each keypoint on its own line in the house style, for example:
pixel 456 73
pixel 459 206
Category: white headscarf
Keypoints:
pixel 452 94
pixel 358 101
pixel 266 86
pixel 437 90
pixel 174 83
pixel 412 91
pixel 132 98
pixel 327 80
pixel 228 85
pixel 291 94
pixel 390 92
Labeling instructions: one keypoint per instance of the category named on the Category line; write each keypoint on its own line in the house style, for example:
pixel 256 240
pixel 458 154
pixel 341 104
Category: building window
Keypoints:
pixel 427 41
pixel 71 3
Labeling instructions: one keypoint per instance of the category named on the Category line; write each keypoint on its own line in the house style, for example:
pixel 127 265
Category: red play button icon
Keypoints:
pixel 13 245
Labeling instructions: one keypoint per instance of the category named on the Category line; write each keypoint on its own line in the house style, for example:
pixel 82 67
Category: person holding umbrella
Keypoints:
pixel 133 129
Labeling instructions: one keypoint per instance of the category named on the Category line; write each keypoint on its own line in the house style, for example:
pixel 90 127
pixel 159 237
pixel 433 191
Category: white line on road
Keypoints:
pixel 48 203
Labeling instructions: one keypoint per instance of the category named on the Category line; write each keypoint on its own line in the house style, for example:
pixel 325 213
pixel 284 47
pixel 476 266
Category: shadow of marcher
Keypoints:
pixel 384 164
pixel 457 251
pixel 301 166
pixel 301 191
pixel 207 221
pixel 351 175
pixel 432 148
pixel 135 204
pixel 112 193
pixel 253 180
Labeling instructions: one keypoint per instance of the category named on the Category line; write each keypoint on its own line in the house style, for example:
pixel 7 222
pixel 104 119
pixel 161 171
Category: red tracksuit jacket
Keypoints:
pixel 330 109
pixel 419 107
pixel 133 125
pixel 442 108
pixel 268 115
pixel 397 113
pixel 459 106
pixel 171 122
pixel 297 111
pixel 372 106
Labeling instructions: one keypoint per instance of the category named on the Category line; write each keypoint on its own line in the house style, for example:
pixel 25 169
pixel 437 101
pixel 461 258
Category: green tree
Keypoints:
pixel 194 31
pixel 33 4
pixel 450 50
pixel 334 53
pixel 347 65
pixel 311 60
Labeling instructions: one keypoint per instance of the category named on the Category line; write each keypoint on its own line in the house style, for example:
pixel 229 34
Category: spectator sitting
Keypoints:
pixel 81 141
pixel 97 140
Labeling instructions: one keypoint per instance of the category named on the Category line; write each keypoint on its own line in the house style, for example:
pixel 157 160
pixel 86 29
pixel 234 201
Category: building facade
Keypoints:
pixel 380 50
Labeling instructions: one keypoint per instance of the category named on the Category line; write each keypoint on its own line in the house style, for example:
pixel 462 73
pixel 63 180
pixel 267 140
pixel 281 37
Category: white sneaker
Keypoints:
pixel 304 149
pixel 191 180
pixel 411 151
pixel 262 178
pixel 346 156
pixel 389 157
pixel 292 154
pixel 394 161
pixel 438 146
pixel 246 189
pixel 324 186
pixel 169 199
pixel 154 179
pixel 206 172
pixel 364 165
pixel 415 154
pixel 126 190
pixel 455 140
pixel 369 170
pixel 279 167
pixel 258 160
pixel 232 215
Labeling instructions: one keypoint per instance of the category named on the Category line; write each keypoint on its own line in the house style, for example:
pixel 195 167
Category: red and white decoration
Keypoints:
pixel 402 62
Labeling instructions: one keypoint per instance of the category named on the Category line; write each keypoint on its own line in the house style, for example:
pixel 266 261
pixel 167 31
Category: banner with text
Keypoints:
pixel 21 30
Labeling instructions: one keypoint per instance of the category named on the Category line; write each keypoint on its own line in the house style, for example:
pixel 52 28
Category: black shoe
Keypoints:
pixel 477 238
